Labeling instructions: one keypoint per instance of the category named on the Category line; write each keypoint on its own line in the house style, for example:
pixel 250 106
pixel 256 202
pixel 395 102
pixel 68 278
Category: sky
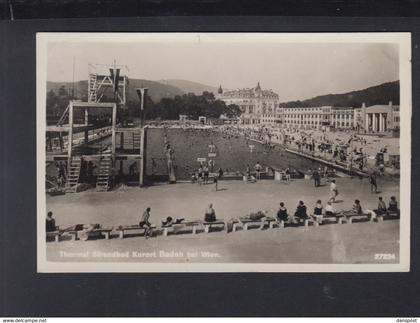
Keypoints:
pixel 296 71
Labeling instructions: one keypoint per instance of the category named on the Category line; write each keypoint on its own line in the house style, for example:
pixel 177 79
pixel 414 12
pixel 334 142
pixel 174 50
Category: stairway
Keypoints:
pixel 132 140
pixel 136 140
pixel 92 88
pixel 64 117
pixel 102 181
pixel 73 173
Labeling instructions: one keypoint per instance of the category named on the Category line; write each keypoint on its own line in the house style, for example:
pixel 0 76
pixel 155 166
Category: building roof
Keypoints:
pixel 249 93
pixel 382 106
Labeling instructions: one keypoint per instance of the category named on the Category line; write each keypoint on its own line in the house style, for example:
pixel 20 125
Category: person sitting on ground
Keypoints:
pixel 144 222
pixel 381 206
pixel 301 211
pixel 318 208
pixel 50 223
pixel 210 214
pixel 393 204
pixel 329 210
pixel 282 213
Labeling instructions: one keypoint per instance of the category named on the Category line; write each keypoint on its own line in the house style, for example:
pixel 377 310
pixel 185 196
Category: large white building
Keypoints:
pixel 260 106
pixel 257 105
pixel 306 117
pixel 372 119
pixel 378 118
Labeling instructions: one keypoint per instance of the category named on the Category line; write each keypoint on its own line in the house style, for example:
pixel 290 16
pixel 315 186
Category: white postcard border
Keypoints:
pixel 402 39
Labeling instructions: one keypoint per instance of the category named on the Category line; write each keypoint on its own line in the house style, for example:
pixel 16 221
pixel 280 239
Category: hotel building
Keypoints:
pixel 258 106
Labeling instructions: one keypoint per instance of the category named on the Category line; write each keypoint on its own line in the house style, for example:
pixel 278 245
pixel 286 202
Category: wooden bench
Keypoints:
pixel 380 217
pixel 194 225
pixel 123 228
pixel 307 221
pixel 281 223
pixel 207 225
pixel 246 222
pixel 274 221
pixel 72 234
pixel 54 234
pixel 191 225
pixel 106 231
pixel 349 217
pixel 321 218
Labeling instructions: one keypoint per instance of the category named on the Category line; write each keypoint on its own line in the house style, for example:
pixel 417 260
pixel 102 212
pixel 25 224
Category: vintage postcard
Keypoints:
pixel 223 152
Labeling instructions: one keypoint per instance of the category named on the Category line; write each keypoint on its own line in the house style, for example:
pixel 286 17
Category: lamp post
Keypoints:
pixel 142 94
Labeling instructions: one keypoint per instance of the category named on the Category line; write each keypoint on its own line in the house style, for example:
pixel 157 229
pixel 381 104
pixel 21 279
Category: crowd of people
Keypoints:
pixel 346 148
pixel 300 214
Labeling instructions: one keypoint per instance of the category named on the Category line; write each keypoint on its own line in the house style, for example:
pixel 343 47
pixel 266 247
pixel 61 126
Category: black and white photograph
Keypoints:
pixel 223 152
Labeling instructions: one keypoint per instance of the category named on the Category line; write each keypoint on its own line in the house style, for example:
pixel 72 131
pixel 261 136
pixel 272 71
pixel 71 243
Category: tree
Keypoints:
pixel 56 104
pixel 232 111
pixel 209 96
pixel 62 91
pixel 189 104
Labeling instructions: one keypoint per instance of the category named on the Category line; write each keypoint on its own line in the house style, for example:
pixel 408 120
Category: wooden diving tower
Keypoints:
pixel 109 158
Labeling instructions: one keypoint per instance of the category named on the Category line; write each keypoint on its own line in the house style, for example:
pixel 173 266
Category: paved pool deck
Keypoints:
pixel 331 243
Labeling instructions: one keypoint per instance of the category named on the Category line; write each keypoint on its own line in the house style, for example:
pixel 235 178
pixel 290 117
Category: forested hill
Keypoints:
pixel 380 94
pixel 189 86
pixel 157 89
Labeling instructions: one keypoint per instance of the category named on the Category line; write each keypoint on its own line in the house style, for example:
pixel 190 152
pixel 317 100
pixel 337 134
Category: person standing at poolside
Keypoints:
pixel 287 173
pixel 200 175
pixel 316 176
pixel 220 173
pixel 215 181
pixel 206 174
pixel 144 222
pixel 333 191
pixel 373 183
pixel 258 169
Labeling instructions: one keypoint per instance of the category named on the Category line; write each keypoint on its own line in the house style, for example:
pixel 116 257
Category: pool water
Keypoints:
pixel 232 153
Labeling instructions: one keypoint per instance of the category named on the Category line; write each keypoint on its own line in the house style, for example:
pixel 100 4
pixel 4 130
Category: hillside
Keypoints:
pixel 188 86
pixel 157 91
pixel 380 94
